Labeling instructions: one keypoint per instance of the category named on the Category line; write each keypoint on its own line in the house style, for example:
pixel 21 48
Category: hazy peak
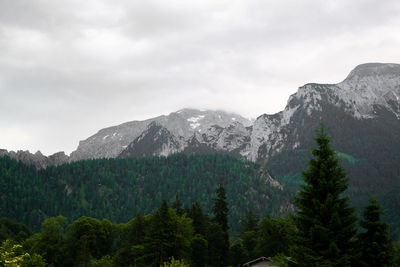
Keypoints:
pixel 374 69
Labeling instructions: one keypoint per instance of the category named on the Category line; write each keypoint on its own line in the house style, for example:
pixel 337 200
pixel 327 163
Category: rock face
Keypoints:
pixel 365 106
pixel 164 135
pixel 38 159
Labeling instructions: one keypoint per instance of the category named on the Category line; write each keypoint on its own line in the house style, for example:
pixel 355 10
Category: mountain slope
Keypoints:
pixel 39 160
pixel 181 125
pixel 118 189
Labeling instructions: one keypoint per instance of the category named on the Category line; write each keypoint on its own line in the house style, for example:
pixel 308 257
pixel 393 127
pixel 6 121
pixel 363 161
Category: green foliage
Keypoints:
pixel 274 237
pixel 238 253
pixel 13 230
pixel 281 260
pixel 219 233
pixel 106 261
pixel 90 238
pixel 249 223
pixel 51 243
pixel 199 251
pixel 177 205
pixel 117 189
pixel 218 245
pixel 396 253
pixel 199 219
pixel 325 222
pixel 347 157
pixel 13 255
pixel 220 208
pixel 168 235
pixel 175 263
pixel 375 244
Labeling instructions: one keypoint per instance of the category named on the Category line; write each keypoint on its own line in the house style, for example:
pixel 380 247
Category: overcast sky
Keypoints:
pixel 70 68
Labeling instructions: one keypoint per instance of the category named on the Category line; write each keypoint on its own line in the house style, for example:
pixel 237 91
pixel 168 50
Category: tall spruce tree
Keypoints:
pixel 177 205
pixel 160 239
pixel 220 208
pixel 325 222
pixel 218 233
pixel 376 246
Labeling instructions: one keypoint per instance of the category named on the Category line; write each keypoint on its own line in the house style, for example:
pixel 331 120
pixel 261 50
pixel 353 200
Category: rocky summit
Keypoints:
pixel 366 105
pixel 369 94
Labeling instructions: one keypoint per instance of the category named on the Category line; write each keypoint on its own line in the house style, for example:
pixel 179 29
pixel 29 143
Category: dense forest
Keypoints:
pixel 366 178
pixel 190 236
pixel 118 189
pixel 187 210
pixel 174 236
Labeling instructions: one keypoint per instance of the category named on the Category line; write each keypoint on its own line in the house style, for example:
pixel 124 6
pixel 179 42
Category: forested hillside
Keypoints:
pixel 322 231
pixel 117 189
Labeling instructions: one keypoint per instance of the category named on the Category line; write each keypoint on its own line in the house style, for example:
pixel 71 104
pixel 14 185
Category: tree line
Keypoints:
pixel 118 189
pixel 323 231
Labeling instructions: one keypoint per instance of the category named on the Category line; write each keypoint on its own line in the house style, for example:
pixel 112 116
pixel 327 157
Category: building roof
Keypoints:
pixel 257 260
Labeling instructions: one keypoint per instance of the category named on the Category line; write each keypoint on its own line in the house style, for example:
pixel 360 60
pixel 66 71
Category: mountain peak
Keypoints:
pixel 374 69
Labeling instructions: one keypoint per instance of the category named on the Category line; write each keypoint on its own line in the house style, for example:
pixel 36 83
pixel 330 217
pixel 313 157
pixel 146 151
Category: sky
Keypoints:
pixel 69 68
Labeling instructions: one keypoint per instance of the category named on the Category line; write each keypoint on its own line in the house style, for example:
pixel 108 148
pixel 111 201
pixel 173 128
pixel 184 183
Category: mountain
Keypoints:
pixel 39 160
pixel 171 133
pixel 365 103
pixel 361 114
pixel 367 98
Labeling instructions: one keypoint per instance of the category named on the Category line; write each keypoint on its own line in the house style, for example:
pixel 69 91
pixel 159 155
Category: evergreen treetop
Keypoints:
pixel 220 208
pixel 376 246
pixel 325 222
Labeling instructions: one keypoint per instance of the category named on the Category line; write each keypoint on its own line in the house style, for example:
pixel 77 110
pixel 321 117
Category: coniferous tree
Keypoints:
pixel 199 219
pixel 249 223
pixel 325 222
pixel 177 205
pixel 248 236
pixel 199 251
pixel 375 244
pixel 396 254
pixel 220 208
pixel 218 232
pixel 159 241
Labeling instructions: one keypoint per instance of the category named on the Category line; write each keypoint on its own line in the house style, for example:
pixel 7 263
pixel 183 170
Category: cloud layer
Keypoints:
pixel 69 68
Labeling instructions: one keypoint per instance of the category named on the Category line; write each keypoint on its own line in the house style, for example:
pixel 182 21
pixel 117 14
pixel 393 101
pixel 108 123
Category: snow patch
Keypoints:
pixel 106 136
pixel 233 119
pixel 296 144
pixel 194 121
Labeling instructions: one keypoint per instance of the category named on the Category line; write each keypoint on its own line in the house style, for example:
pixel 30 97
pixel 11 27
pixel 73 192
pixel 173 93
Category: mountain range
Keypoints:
pixel 361 114
pixel 369 97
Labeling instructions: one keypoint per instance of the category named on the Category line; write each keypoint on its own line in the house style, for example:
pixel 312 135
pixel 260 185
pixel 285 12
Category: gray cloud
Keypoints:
pixel 70 68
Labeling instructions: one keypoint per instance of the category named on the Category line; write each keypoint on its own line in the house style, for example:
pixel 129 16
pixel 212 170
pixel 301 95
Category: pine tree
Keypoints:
pixel 249 223
pixel 177 205
pixel 218 232
pixel 325 222
pixel 199 219
pixel 159 241
pixel 220 208
pixel 376 246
